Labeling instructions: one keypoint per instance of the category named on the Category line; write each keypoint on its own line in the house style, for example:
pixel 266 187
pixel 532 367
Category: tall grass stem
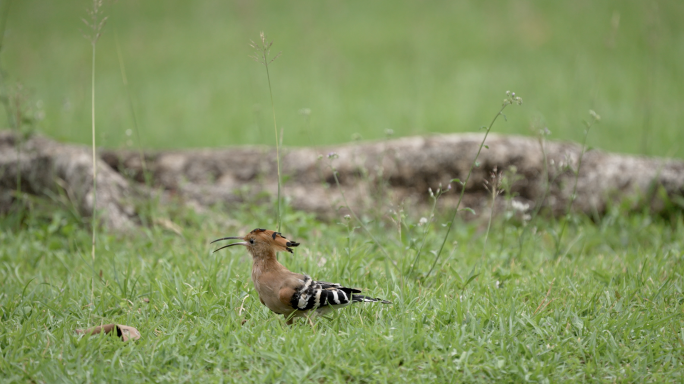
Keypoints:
pixel 594 118
pixel 511 98
pixel 275 128
pixel 496 181
pixel 13 115
pixel 435 198
pixel 358 220
pixel 261 56
pixel 92 114
pixel 95 24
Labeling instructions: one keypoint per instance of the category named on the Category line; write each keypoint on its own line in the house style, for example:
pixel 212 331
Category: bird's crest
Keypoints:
pixel 278 241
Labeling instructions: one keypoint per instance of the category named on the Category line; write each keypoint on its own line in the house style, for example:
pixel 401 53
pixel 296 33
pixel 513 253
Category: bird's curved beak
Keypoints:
pixel 229 245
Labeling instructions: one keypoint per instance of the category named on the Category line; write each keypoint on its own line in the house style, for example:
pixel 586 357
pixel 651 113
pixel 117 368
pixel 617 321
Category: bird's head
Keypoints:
pixel 261 241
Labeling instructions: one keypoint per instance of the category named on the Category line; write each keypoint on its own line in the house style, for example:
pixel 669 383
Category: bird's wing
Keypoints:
pixel 317 294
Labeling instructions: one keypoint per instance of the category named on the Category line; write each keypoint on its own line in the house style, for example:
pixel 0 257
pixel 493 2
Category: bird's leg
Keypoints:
pixel 289 319
pixel 313 328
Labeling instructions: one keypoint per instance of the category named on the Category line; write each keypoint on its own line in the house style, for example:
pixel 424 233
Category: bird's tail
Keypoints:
pixel 368 299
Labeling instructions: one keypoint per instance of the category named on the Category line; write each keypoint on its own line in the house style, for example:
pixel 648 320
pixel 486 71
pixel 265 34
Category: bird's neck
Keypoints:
pixel 265 262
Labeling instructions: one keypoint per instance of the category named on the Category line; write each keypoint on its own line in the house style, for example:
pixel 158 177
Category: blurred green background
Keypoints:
pixel 358 67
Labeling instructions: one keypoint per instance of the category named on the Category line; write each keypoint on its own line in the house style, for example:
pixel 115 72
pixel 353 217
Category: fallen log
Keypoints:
pixel 373 175
pixel 42 166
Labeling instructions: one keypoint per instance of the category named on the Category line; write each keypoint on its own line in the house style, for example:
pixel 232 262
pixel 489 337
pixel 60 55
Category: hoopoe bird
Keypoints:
pixel 287 293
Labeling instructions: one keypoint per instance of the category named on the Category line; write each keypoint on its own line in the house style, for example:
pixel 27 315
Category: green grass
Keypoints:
pixel 414 67
pixel 610 309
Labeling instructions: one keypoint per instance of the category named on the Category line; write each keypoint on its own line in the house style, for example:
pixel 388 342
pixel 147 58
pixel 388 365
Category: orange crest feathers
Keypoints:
pixel 279 242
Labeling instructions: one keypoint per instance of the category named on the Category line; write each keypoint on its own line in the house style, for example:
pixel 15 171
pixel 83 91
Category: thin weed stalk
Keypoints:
pixel 261 55
pixel 13 111
pixel 332 156
pixel 15 107
pixel 510 99
pixel 542 133
pixel 508 179
pixel 435 197
pixel 434 264
pixel 588 124
pixel 545 171
pixel 95 24
pixel 494 191
pixel 377 182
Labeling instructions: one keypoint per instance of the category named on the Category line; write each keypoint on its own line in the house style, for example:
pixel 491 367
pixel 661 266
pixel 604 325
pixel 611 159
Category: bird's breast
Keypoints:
pixel 268 288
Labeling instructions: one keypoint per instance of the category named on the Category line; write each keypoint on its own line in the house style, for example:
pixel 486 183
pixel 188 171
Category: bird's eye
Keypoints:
pixel 251 241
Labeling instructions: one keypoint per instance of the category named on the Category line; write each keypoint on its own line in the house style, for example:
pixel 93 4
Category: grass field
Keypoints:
pixel 604 304
pixel 609 309
pixel 414 67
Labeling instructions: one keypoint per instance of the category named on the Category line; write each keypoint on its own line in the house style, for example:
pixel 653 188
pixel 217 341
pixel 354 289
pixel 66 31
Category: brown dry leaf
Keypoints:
pixel 125 332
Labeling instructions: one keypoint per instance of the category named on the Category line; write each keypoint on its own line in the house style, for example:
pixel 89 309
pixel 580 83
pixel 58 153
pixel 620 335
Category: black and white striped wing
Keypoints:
pixel 318 294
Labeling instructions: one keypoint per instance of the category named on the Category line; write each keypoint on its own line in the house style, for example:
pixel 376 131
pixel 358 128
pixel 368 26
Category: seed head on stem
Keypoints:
pixel 262 52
